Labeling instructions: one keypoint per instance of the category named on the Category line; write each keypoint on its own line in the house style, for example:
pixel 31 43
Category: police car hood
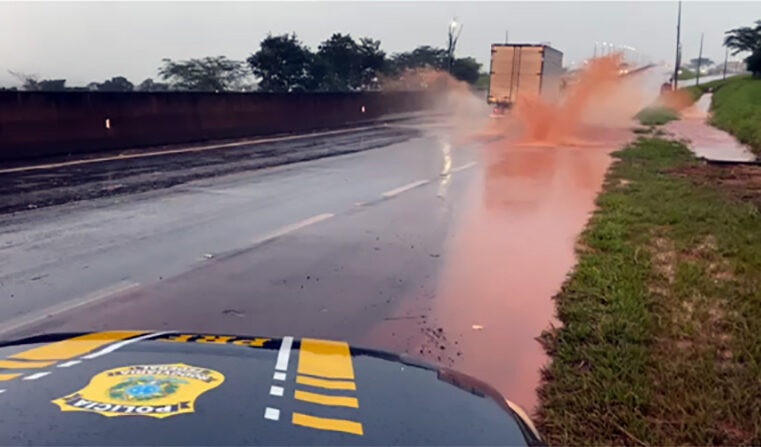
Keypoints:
pixel 171 388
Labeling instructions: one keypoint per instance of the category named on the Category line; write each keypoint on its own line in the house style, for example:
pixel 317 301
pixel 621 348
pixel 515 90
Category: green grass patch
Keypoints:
pixel 661 335
pixel 656 116
pixel 696 91
pixel 736 108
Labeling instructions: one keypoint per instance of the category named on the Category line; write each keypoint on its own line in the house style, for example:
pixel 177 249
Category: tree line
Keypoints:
pixel 283 63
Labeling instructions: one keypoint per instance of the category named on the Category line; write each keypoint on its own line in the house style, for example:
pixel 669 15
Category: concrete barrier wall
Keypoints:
pixel 37 124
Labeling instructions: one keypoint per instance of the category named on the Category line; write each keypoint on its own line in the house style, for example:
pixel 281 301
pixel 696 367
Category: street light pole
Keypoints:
pixel 454 33
pixel 678 45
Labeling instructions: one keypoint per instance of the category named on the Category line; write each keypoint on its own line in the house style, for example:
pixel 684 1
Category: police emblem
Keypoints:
pixel 143 390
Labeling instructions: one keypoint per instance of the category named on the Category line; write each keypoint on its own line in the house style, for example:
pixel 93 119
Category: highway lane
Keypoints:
pixel 431 245
pixel 60 259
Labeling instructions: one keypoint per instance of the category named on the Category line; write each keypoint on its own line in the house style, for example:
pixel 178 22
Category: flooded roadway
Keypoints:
pixel 447 251
pixel 511 253
pixel 706 141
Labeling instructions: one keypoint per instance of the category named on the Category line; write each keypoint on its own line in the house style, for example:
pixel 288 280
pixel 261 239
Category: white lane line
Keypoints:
pixel 111 348
pixel 2 391
pixel 251 142
pixel 273 414
pixel 69 363
pixel 36 376
pixel 284 354
pixel 463 167
pixel 90 298
pixel 279 376
pixel 282 231
pixel 277 391
pixel 401 189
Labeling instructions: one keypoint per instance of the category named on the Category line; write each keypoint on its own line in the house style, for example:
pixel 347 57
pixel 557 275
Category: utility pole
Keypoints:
pixel 700 59
pixel 726 56
pixel 678 46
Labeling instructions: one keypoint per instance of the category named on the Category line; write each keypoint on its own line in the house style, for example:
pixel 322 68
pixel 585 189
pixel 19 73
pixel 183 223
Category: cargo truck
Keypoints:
pixel 523 69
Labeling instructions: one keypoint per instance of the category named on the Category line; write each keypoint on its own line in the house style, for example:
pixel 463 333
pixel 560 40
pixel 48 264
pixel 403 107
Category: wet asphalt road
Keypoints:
pixel 325 248
pixel 445 248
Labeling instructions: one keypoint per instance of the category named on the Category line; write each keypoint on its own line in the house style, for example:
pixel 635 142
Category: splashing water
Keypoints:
pixel 600 97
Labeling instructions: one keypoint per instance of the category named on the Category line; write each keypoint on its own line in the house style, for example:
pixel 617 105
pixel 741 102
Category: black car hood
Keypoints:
pixel 169 388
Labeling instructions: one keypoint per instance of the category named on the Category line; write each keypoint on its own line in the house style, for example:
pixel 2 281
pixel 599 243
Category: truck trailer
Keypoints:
pixel 523 69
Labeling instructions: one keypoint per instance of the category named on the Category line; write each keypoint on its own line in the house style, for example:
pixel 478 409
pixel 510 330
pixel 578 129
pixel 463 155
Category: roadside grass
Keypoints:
pixel 736 108
pixel 656 116
pixel 696 91
pixel 661 335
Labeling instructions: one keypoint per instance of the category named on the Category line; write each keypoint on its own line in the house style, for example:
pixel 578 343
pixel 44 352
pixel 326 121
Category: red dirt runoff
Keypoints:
pixel 515 245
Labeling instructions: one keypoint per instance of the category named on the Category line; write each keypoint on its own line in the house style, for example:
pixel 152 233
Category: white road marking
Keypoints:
pixel 255 141
pixel 463 167
pixel 291 228
pixel 401 189
pixel 279 376
pixel 273 414
pixel 111 348
pixel 284 354
pixel 69 363
pixel 36 376
pixel 90 298
pixel 2 391
pixel 277 390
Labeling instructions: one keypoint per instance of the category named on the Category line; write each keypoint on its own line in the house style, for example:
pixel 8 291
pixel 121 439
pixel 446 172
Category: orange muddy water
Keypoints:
pixel 512 253
pixel 515 246
pixel 705 140
pixel 514 243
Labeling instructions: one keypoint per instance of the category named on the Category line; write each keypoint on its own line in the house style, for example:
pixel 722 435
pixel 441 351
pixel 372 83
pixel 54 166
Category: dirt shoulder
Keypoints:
pixel 661 336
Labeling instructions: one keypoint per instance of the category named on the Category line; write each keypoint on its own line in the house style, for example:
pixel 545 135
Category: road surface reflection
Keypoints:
pixel 511 254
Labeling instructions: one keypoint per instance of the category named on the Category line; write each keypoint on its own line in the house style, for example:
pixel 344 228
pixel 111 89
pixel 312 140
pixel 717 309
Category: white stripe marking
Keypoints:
pixel 90 298
pixel 36 376
pixel 69 363
pixel 463 167
pixel 284 354
pixel 183 150
pixel 2 391
pixel 291 228
pixel 277 391
pixel 273 414
pixel 111 348
pixel 279 376
pixel 401 189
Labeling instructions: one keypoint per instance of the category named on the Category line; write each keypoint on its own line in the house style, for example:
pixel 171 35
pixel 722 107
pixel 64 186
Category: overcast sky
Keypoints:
pixel 92 41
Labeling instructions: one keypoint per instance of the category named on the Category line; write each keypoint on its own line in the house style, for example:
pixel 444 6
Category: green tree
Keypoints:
pixel 421 57
pixel 31 83
pixel 343 64
pixel 149 85
pixel 373 61
pixel 466 69
pixel 747 39
pixel 116 84
pixel 209 74
pixel 283 64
